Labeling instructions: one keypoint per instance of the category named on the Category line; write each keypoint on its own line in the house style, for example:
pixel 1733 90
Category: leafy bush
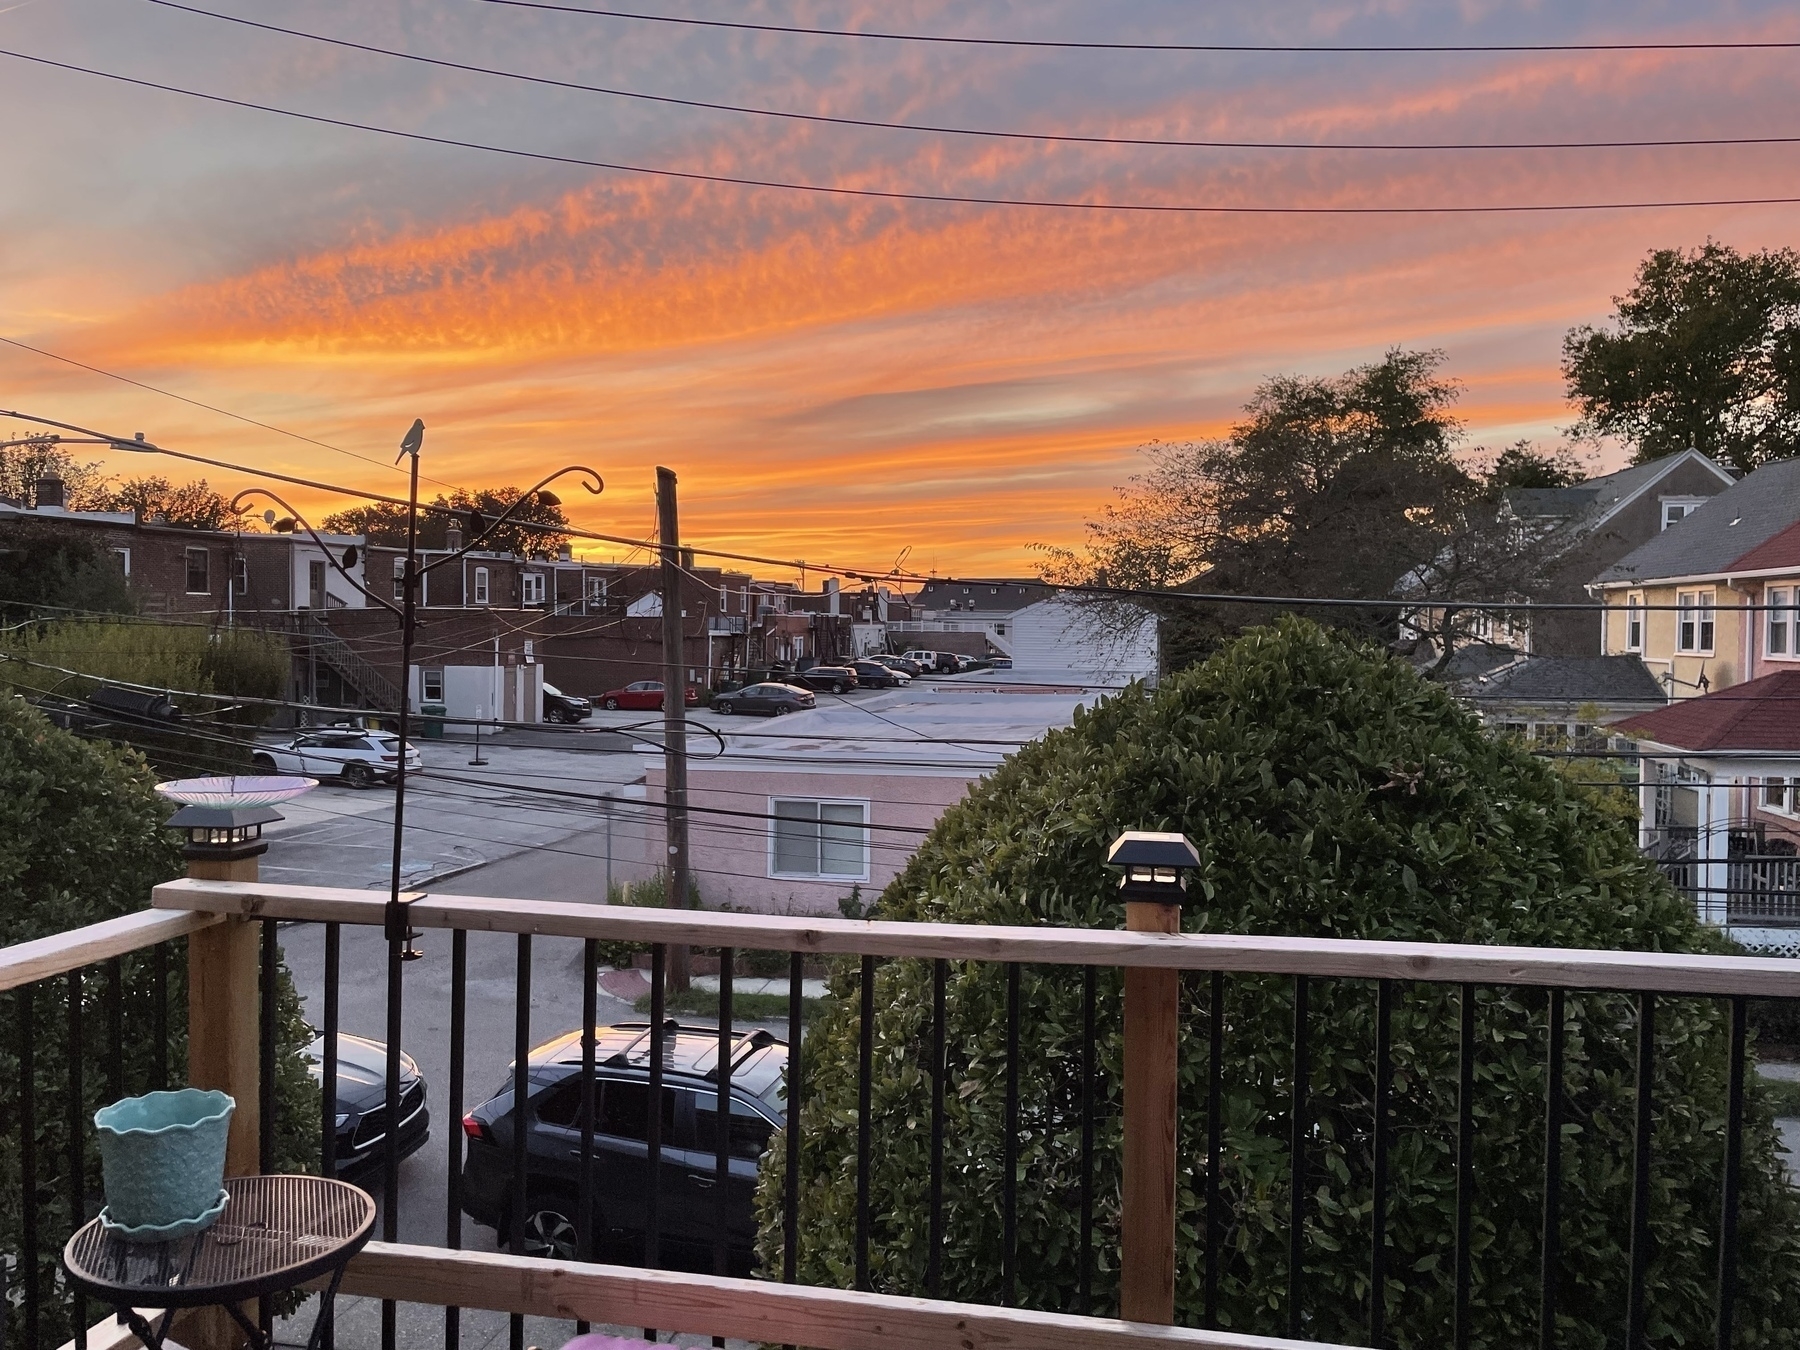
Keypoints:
pixel 1331 793
pixel 651 892
pixel 82 840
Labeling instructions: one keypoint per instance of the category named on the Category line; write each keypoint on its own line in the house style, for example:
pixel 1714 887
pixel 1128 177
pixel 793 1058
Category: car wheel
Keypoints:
pixel 781 710
pixel 359 775
pixel 263 763
pixel 724 709
pixel 612 705
pixel 549 1228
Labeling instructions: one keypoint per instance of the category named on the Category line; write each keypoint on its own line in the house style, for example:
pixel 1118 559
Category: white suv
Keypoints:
pixel 941 662
pixel 360 758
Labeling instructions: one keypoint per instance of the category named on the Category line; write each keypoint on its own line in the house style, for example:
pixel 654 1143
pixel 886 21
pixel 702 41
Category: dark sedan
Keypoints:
pixel 766 700
pixel 875 675
pixel 836 679
pixel 362 1103
pixel 912 669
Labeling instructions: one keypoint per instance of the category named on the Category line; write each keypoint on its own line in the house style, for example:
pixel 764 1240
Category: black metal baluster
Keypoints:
pixel 28 1179
pixel 865 1088
pixel 934 1255
pixel 1384 1087
pixel 1465 1165
pixel 790 1182
pixel 265 1085
pixel 115 1029
pixel 584 1187
pixel 1551 1239
pixel 1085 1260
pixel 459 1030
pixel 659 956
pixel 1734 1153
pixel 1636 1294
pixel 1009 1187
pixel 328 1069
pixel 397 943
pixel 1215 1150
pixel 1297 1162
pixel 159 1017
pixel 77 1150
pixel 521 1091
pixel 722 1141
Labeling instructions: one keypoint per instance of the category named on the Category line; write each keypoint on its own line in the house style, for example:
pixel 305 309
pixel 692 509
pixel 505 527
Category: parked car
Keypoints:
pixel 878 675
pixel 1002 663
pixel 838 679
pixel 768 700
pixel 939 662
pixel 642 695
pixel 360 758
pixel 911 669
pixel 561 707
pixel 687 1201
pixel 362 1103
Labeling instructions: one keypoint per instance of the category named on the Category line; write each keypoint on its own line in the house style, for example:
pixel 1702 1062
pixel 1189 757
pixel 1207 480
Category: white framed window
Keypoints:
pixel 240 575
pixel 1782 626
pixel 1634 623
pixel 1677 509
pixel 433 680
pixel 531 588
pixel 198 582
pixel 399 578
pixel 596 588
pixel 123 557
pixel 481 585
pixel 823 839
pixel 1778 794
pixel 1694 621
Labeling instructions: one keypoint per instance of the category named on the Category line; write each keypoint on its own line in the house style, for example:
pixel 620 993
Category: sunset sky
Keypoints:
pixel 832 378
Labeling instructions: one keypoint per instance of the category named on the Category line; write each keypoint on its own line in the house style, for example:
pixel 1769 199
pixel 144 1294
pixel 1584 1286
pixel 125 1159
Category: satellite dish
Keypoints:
pixel 269 517
pixel 350 557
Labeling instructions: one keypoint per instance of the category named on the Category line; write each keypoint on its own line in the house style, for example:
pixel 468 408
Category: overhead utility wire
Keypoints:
pixel 222 412
pixel 877 35
pixel 1060 138
pixel 887 194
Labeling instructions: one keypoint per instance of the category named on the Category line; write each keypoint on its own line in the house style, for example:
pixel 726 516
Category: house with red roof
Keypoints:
pixel 1720 803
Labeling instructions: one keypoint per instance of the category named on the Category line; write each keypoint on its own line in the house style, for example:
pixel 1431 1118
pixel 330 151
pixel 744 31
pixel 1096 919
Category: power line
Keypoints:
pixel 223 412
pixel 885 194
pixel 1225 47
pixel 1059 138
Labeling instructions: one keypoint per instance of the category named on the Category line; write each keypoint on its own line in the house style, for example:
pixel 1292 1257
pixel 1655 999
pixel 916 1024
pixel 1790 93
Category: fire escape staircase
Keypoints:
pixel 375 688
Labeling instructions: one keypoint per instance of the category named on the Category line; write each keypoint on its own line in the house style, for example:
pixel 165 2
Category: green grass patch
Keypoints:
pixel 744 1007
pixel 1784 1094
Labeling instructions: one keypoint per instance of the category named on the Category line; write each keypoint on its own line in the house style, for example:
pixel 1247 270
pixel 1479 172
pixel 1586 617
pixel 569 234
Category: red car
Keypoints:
pixel 642 694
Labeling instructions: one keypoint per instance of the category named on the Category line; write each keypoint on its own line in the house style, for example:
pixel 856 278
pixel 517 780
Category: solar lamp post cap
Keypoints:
pixel 1156 865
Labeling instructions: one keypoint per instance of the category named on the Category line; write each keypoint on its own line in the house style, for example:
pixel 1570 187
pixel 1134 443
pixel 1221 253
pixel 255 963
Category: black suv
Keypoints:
pixel 687 1203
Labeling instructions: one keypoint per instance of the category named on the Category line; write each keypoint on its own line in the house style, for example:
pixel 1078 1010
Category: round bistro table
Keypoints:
pixel 277 1233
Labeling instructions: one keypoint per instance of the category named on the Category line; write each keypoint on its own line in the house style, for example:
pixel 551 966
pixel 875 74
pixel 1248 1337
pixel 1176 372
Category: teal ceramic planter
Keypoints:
pixel 163 1157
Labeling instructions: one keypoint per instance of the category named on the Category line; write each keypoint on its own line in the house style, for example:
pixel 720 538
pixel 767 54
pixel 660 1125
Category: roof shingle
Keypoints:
pixel 1760 714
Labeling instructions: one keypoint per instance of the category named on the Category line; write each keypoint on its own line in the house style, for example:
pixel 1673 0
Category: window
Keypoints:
pixel 596 589
pixel 434 686
pixel 1694 621
pixel 315 584
pixel 481 585
pixel 1634 623
pixel 1775 794
pixel 1677 509
pixel 123 556
pixel 818 839
pixel 750 1133
pixel 399 578
pixel 531 588
pixel 1783 621
pixel 625 1111
pixel 240 575
pixel 197 582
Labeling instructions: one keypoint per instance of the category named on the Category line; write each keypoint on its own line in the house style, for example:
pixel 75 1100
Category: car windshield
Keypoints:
pixel 553 691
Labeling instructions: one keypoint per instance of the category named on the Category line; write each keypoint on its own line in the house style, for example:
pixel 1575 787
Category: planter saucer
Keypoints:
pixel 166 1232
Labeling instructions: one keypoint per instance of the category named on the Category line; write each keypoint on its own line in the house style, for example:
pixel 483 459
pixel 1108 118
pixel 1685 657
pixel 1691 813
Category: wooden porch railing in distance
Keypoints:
pixel 755 1310
pixel 1433 962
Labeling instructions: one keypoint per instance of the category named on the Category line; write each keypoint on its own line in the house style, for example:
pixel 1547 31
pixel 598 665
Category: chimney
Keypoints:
pixel 453 537
pixel 49 492
pixel 831 594
pixel 565 553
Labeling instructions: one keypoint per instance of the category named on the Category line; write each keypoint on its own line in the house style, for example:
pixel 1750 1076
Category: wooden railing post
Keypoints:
pixel 1153 889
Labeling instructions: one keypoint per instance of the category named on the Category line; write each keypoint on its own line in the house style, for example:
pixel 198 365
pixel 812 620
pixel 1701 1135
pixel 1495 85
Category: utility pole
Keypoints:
pixel 675 790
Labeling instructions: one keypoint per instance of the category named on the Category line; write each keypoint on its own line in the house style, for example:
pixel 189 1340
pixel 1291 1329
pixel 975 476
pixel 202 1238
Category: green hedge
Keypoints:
pixel 1331 793
pixel 82 840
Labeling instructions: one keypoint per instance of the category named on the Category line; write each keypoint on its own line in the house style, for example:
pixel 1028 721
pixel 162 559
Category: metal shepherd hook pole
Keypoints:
pixel 396 924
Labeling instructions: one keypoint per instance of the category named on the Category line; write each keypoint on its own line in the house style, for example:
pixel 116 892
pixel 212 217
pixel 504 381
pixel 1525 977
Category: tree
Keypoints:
pixel 1523 465
pixel 61 569
pixel 385 524
pixel 1704 353
pixel 21 466
pixel 82 840
pixel 194 506
pixel 1331 793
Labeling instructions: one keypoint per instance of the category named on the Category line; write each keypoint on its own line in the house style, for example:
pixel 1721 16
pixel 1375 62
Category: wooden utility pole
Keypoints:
pixel 675 789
